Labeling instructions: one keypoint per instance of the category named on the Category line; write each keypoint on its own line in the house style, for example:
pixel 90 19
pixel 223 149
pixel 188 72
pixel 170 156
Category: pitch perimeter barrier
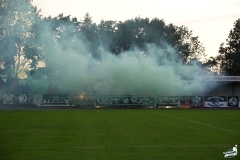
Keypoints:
pixel 124 101
pixel 16 100
pixel 33 100
pixel 46 100
pixel 191 101
pixel 221 101
pixel 81 100
pixel 111 101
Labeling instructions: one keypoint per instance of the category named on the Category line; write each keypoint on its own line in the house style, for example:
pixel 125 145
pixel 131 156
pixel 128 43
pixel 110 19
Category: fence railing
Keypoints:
pixel 111 101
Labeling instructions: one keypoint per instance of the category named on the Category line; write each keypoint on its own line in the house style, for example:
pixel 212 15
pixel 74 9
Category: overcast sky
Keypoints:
pixel 211 20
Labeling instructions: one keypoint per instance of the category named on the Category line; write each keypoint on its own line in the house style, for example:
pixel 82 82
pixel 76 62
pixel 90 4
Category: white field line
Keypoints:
pixel 136 146
pixel 205 124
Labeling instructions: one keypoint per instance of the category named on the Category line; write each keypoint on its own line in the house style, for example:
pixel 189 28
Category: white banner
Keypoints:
pixel 219 104
pixel 215 101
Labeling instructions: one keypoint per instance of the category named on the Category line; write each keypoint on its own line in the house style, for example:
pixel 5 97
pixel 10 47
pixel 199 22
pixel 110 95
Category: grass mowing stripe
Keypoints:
pixel 203 124
pixel 116 134
pixel 197 122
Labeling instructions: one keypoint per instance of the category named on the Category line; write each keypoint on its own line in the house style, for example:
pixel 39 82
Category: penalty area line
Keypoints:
pixel 205 124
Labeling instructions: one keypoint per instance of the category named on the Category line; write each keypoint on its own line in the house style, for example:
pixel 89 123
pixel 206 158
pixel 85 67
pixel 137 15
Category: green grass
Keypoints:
pixel 114 134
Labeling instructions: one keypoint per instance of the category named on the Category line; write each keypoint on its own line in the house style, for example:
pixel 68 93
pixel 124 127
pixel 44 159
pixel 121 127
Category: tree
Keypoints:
pixel 62 44
pixel 211 66
pixel 89 34
pixel 139 32
pixel 229 58
pixel 106 33
pixel 17 51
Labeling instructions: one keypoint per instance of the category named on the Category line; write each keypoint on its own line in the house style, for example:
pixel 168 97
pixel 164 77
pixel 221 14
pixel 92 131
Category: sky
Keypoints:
pixel 210 20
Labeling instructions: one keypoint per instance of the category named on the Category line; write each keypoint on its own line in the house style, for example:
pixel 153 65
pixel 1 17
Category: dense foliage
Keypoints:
pixel 17 34
pixel 27 38
pixel 229 58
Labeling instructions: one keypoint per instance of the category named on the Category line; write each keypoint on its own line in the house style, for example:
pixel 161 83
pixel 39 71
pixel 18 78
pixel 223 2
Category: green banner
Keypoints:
pixel 124 101
pixel 168 100
pixel 81 100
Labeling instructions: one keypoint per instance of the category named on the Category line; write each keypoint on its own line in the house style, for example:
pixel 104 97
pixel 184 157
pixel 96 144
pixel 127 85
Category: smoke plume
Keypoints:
pixel 152 71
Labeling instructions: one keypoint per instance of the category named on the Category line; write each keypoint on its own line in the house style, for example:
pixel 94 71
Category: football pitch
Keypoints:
pixel 117 134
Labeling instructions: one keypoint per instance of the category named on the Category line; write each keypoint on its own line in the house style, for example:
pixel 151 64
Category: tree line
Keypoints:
pixel 27 38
